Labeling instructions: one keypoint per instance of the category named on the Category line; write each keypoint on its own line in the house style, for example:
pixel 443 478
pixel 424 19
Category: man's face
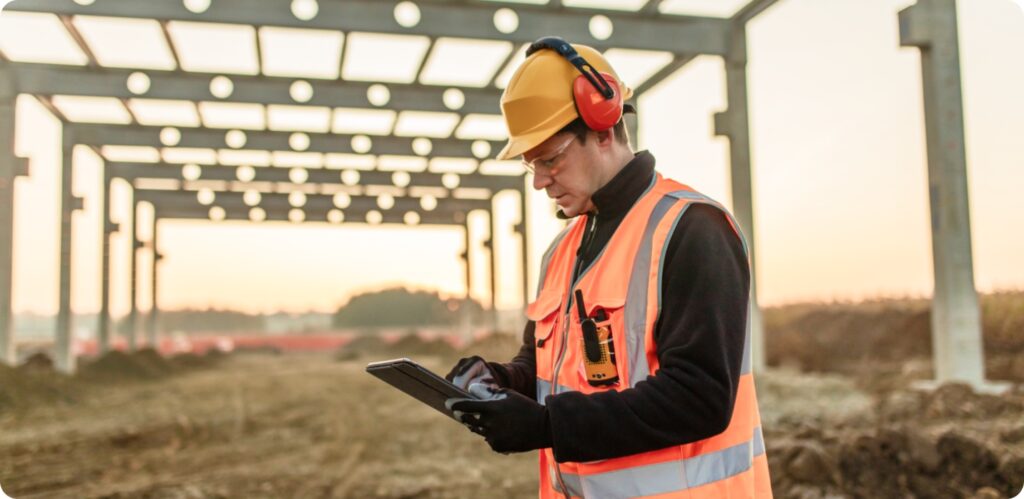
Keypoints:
pixel 563 167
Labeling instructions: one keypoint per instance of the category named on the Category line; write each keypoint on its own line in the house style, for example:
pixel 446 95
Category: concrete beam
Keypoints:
pixel 672 33
pixel 184 204
pixel 44 79
pixel 134 171
pixel 122 135
pixel 931 26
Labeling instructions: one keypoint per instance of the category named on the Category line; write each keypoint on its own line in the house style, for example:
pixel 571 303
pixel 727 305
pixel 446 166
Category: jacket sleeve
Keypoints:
pixel 700 336
pixel 521 373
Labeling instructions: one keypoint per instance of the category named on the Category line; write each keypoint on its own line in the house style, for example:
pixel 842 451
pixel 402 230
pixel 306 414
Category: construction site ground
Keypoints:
pixel 265 424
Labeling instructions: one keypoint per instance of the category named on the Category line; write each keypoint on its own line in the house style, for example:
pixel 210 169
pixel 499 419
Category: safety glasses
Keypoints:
pixel 547 165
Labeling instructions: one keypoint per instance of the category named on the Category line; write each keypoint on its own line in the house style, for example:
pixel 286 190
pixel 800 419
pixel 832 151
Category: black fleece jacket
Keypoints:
pixel 699 335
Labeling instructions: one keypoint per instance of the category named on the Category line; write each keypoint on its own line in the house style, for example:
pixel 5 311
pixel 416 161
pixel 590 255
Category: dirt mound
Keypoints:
pixel 37 362
pixel 20 388
pixel 143 365
pixel 875 339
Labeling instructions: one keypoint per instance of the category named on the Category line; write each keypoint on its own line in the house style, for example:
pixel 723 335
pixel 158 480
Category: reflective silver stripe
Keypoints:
pixel 635 313
pixel 547 257
pixel 544 389
pixel 671 476
pixel 696 197
pixel 572 482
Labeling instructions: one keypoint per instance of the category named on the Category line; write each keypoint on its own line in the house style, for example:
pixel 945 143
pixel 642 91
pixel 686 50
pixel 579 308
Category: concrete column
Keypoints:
pixel 109 228
pixel 133 293
pixel 490 244
pixel 10 168
pixel 931 26
pixel 466 262
pixel 154 309
pixel 734 124
pixel 521 228
pixel 63 354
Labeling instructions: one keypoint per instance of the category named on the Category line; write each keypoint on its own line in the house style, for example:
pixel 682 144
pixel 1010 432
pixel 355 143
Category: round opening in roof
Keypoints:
pixel 422 146
pixel 197 6
pixel 138 83
pixel 257 215
pixel 335 216
pixel 206 196
pixel 297 199
pixel 361 144
pixel 298 175
pixel 401 179
pixel 412 218
pixel 170 136
pixel 296 215
pixel 342 200
pixel 217 214
pixel 298 141
pixel 386 201
pixel 301 91
pixel 349 177
pixel 407 14
pixel 85 2
pixel 601 27
pixel 252 198
pixel 481 149
pixel 378 95
pixel 235 139
pixel 506 20
pixel 374 217
pixel 245 173
pixel 221 87
pixel 428 203
pixel 454 99
pixel 450 180
pixel 305 10
pixel 191 171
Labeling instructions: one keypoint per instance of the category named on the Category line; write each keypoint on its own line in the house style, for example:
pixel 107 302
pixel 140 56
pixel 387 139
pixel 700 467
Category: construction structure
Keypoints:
pixel 336 192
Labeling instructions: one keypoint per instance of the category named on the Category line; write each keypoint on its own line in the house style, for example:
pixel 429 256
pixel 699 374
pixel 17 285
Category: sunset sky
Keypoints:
pixel 839 173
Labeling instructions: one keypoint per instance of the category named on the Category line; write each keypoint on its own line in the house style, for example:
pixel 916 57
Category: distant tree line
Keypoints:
pixel 400 307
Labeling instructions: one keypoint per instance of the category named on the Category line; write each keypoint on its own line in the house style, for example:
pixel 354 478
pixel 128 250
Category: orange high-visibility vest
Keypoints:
pixel 625 281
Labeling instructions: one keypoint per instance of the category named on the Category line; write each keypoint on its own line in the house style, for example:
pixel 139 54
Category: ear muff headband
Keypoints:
pixel 600 115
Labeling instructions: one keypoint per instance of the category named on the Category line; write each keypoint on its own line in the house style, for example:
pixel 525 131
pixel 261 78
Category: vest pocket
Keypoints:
pixel 603 371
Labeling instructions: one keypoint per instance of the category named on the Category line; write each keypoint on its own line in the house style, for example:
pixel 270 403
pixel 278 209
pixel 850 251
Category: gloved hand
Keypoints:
pixel 508 421
pixel 470 370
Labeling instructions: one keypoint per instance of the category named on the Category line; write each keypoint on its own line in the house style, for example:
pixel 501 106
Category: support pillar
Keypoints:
pixel 734 124
pixel 154 309
pixel 931 26
pixel 10 168
pixel 521 228
pixel 108 229
pixel 490 244
pixel 464 312
pixel 64 339
pixel 133 292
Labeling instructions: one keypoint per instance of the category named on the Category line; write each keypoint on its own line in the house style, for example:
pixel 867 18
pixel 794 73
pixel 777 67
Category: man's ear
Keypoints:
pixel 605 138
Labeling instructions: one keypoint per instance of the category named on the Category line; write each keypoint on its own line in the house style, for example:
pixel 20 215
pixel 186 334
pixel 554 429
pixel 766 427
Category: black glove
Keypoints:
pixel 470 370
pixel 509 421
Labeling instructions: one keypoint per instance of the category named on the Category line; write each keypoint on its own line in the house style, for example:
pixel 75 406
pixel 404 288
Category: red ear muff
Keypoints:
pixel 598 112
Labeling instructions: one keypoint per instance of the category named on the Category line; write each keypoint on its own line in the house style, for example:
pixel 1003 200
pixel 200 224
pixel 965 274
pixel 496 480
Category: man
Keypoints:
pixel 634 375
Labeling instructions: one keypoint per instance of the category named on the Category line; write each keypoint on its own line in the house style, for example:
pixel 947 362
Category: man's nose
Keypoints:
pixel 540 181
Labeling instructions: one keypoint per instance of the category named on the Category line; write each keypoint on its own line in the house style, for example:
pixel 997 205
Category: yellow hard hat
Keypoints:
pixel 538 101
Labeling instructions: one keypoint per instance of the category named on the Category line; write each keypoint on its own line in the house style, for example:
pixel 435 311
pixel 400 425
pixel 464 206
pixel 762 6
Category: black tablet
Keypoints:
pixel 418 382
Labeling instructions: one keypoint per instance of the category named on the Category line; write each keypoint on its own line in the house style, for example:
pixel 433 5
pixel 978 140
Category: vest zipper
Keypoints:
pixel 588 238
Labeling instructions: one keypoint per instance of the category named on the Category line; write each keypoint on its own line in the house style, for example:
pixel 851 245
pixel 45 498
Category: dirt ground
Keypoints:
pixel 316 425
